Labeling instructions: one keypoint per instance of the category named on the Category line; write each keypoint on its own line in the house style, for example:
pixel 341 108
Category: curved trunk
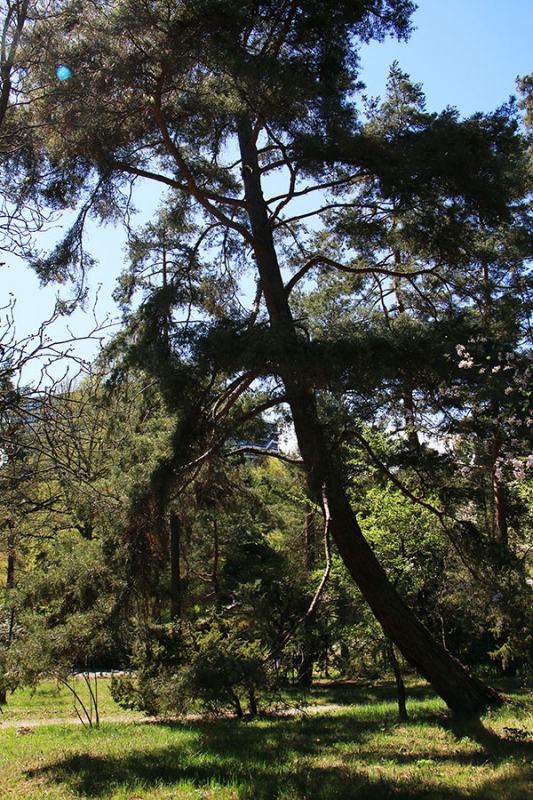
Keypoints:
pixel 462 692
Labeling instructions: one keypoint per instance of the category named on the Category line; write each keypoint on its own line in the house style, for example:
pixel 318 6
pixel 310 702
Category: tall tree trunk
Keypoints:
pixel 10 584
pixel 307 663
pixel 309 539
pixel 462 692
pixel 500 512
pixel 11 555
pixel 498 488
pixel 407 393
pixel 400 686
pixel 175 581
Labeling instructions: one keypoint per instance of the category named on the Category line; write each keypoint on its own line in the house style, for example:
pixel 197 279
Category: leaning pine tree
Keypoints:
pixel 245 112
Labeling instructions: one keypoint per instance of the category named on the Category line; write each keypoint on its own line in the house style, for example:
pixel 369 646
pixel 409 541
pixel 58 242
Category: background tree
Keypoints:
pixel 440 348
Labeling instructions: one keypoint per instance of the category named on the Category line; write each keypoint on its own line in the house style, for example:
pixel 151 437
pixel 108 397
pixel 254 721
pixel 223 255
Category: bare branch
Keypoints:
pixel 370 270
pixel 314 602
pixel 264 451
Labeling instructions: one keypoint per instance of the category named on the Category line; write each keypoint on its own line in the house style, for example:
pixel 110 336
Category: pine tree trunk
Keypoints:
pixel 400 686
pixel 462 692
pixel 175 581
pixel 11 556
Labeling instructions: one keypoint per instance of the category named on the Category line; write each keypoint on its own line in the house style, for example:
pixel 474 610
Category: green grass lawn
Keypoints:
pixel 357 750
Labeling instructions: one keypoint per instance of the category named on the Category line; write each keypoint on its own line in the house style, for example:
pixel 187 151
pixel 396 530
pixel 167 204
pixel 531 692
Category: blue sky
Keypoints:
pixel 465 53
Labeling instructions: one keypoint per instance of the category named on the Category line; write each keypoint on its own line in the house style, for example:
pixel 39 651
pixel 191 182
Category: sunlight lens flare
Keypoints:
pixel 63 73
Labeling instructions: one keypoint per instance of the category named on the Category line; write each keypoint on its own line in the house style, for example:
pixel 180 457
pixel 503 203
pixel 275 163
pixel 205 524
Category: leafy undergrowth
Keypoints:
pixel 356 751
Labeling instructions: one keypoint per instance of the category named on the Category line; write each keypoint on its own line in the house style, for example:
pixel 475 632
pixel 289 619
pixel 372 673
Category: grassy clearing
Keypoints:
pixel 356 751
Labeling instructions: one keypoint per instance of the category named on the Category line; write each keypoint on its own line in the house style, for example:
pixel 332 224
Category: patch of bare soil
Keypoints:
pixel 29 724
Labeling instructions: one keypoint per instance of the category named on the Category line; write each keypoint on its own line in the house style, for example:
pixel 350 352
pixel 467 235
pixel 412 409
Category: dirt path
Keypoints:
pixel 38 723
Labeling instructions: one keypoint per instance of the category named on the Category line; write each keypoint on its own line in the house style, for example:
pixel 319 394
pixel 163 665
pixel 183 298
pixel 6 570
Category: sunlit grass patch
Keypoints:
pixel 51 700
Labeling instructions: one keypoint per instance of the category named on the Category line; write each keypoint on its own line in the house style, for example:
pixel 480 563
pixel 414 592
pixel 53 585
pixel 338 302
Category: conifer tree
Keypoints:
pixel 246 112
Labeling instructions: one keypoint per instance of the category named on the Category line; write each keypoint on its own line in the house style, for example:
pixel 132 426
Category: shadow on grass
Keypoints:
pixel 318 757
pixel 348 693
pixel 494 747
